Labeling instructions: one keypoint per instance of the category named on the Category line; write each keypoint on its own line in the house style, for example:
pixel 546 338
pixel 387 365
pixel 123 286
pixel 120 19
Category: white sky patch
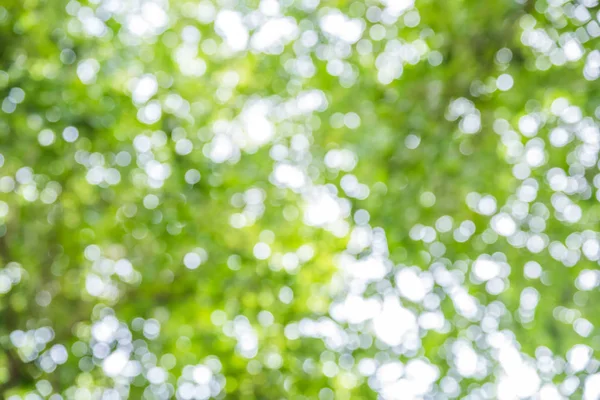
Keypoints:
pixel 572 213
pixel 105 329
pixel 355 309
pixel 390 372
pixel 534 156
pixel 322 207
pixel 360 239
pixel 262 251
pixel 341 27
pixel 528 125
pixel 471 123
pixel 287 175
pixel 371 268
pixel 187 58
pixel 151 113
pixel 305 103
pixel 521 383
pixel 202 374
pixel 398 7
pixel 220 149
pixel 87 70
pixel 95 285
pixel 411 286
pixel 465 358
pixel 591 71
pixel 156 375
pixel 230 26
pixel 579 356
pixel 353 188
pixel 149 20
pixel 573 50
pixel 193 259
pixel 519 380
pixel 91 24
pixel 487 205
pixel 275 33
pixel 465 304
pixel 246 336
pixel 310 101
pixel 114 364
pixel 389 67
pixel 157 171
pixel 421 375
pixel 486 269
pixel 559 137
pixel 504 224
pixel 504 82
pixel 256 124
pixel 343 159
pixel 394 322
pixel 432 320
pixel 587 280
pixel 549 392
pixel 591 387
pixel 143 88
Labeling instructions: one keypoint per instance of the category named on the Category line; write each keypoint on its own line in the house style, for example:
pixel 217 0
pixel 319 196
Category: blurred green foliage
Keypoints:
pixel 189 189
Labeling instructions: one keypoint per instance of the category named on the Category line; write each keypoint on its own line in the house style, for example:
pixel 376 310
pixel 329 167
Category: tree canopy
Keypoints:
pixel 275 199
